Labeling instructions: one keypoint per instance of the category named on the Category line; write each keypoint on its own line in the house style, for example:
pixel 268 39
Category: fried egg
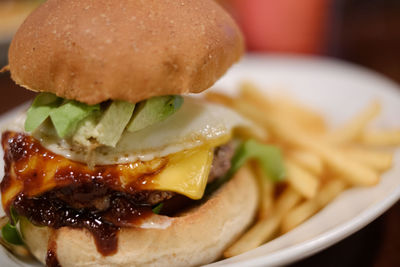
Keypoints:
pixel 196 123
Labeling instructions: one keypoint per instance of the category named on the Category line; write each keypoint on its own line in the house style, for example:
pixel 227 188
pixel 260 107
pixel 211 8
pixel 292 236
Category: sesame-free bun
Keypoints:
pixel 196 237
pixel 95 50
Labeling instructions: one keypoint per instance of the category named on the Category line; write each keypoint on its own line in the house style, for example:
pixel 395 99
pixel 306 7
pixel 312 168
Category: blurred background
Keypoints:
pixel 366 32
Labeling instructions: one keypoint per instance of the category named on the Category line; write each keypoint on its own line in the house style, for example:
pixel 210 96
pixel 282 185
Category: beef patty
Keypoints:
pixel 96 196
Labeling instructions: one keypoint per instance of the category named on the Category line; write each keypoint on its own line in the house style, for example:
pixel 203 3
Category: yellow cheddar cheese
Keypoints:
pixel 186 173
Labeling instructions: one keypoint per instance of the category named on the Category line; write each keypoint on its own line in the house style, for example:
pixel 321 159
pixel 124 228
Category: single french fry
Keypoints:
pixel 355 126
pixel 286 201
pixel 301 180
pixel 250 93
pixel 329 191
pixel 298 215
pixel 308 208
pixel 303 116
pixel 266 192
pixel 220 98
pixel 308 160
pixel 253 113
pixel 381 138
pixel 252 132
pixel 260 232
pixel 378 160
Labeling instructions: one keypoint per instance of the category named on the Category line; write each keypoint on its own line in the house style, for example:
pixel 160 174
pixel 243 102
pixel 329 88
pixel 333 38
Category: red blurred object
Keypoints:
pixel 296 26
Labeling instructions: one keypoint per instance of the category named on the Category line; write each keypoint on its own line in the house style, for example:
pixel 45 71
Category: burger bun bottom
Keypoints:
pixel 195 237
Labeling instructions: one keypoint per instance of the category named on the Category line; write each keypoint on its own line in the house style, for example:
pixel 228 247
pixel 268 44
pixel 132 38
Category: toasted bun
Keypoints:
pixel 196 237
pixel 95 50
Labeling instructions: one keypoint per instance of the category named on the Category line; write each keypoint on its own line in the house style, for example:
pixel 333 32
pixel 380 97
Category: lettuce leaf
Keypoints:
pixel 154 110
pixel 10 232
pixel 40 110
pixel 269 157
pixel 113 122
pixel 66 117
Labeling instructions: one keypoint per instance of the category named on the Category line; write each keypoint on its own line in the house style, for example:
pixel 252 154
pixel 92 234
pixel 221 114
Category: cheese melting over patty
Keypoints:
pixel 32 170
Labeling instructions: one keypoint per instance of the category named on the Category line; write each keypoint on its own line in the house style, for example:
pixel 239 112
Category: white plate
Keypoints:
pixel 338 90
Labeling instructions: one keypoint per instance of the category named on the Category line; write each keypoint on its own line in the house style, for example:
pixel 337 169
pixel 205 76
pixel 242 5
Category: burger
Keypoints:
pixel 116 163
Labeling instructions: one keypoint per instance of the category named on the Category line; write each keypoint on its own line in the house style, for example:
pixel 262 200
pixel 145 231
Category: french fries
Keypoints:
pixel 338 162
pixel 320 163
pixel 299 114
pixel 380 161
pixel 265 228
pixel 284 107
pixel 308 208
pixel 307 160
pixel 381 138
pixel 261 231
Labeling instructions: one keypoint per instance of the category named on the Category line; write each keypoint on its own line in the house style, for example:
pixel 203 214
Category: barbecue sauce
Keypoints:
pixel 51 256
pixel 47 209
pixel 33 169
pixel 103 225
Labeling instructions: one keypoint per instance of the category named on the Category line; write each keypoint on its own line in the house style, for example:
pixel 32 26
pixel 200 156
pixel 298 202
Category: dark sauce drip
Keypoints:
pixel 51 256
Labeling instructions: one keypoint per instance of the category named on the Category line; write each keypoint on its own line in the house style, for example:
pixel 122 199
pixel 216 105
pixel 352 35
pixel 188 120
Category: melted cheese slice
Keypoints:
pixel 186 173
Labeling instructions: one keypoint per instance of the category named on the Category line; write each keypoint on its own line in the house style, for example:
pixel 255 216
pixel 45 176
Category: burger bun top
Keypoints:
pixel 95 50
